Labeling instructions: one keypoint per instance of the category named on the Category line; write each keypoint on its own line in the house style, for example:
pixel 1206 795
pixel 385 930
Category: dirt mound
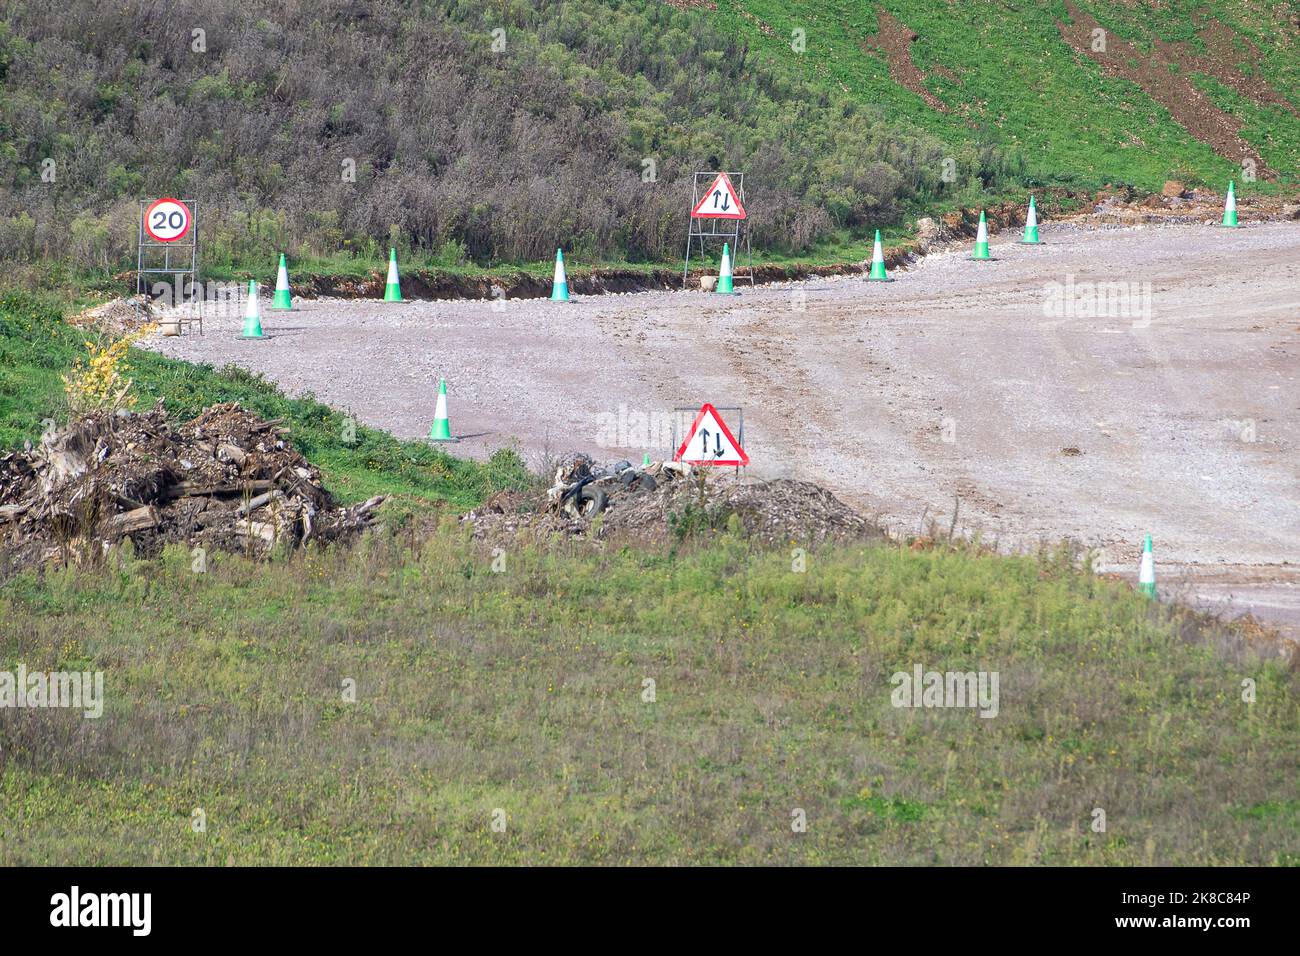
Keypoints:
pixel 770 512
pixel 119 316
pixel 226 479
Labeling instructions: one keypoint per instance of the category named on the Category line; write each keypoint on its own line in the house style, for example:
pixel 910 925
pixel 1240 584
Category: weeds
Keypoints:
pixel 97 382
pixel 523 690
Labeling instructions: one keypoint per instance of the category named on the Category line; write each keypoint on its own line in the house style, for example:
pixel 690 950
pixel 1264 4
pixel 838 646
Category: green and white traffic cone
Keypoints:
pixel 1147 570
pixel 282 299
pixel 393 287
pixel 560 285
pixel 252 315
pixel 878 273
pixel 1230 207
pixel 982 240
pixel 1030 237
pixel 724 286
pixel 441 430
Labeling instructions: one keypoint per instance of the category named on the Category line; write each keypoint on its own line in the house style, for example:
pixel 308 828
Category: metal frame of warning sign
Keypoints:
pixel 179 258
pixel 733 229
pixel 685 415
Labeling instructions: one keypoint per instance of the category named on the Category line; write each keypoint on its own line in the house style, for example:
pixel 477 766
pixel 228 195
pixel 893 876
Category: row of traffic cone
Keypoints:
pixel 559 286
pixel 283 299
pixel 981 253
pixel 1029 237
pixel 393 284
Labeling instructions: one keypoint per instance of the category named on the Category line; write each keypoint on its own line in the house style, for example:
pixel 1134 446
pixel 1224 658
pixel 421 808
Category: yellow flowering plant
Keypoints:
pixel 98 381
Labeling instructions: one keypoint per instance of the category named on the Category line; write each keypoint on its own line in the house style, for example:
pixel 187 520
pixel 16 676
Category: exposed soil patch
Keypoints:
pixel 763 26
pixel 894 39
pixel 1221 60
pixel 1191 108
pixel 522 285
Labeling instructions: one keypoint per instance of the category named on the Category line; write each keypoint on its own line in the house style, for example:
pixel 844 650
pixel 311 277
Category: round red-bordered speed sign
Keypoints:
pixel 167 220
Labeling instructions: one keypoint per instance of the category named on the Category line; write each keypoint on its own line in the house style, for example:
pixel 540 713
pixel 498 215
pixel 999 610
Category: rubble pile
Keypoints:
pixel 118 317
pixel 665 500
pixel 227 479
pixel 781 511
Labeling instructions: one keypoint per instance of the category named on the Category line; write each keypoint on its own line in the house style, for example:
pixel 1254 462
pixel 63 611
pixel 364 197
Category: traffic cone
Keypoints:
pixel 560 287
pixel 645 460
pixel 441 430
pixel 1031 225
pixel 1147 570
pixel 982 240
pixel 1230 207
pixel 252 316
pixel 282 299
pixel 878 273
pixel 393 287
pixel 724 273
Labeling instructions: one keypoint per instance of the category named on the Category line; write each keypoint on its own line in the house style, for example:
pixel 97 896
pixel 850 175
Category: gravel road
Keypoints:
pixel 1167 403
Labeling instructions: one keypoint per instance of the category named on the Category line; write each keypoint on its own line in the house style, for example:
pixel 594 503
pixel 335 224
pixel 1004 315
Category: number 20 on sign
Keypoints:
pixel 167 220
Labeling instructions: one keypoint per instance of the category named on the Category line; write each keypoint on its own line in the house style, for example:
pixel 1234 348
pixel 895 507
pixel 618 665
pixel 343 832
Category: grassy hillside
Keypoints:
pixel 1003 75
pixel 524 692
pixel 482 132
pixel 487 134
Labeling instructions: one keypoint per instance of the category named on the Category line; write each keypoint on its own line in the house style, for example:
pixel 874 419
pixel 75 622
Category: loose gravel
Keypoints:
pixel 955 382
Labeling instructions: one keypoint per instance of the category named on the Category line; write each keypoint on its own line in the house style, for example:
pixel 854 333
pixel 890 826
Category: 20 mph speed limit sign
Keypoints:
pixel 167 220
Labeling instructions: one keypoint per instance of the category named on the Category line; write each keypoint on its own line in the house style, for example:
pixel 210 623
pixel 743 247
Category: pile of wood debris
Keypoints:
pixel 227 479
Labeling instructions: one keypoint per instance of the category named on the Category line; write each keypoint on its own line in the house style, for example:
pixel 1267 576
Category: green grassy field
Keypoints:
pixel 520 697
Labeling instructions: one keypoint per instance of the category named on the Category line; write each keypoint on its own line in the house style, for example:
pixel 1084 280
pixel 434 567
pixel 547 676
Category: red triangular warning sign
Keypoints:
pixel 710 442
pixel 720 201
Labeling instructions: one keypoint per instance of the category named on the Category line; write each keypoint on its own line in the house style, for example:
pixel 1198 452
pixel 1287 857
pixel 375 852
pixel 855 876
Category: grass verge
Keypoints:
pixel 37 347
pixel 632 707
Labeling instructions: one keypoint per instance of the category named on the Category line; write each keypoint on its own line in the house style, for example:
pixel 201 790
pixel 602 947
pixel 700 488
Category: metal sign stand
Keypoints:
pixel 147 262
pixel 732 229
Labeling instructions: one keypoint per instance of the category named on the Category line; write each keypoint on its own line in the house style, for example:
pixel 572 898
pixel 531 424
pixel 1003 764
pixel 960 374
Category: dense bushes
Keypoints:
pixel 465 143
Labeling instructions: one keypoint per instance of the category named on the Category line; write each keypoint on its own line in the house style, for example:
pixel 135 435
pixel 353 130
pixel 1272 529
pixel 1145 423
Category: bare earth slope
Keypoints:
pixel 951 382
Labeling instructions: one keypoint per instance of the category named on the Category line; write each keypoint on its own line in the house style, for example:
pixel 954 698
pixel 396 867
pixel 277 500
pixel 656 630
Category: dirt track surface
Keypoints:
pixel 951 382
